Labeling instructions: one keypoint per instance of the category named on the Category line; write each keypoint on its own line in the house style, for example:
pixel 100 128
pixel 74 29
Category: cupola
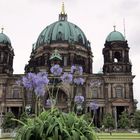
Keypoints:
pixel 115 36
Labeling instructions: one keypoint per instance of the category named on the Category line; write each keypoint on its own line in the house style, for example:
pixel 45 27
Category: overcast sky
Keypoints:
pixel 23 20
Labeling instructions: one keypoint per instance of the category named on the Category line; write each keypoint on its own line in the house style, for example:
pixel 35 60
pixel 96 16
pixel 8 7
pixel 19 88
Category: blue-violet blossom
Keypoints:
pixel 36 82
pixel 77 70
pixel 79 81
pixel 94 106
pixel 79 99
pixel 67 78
pixel 56 70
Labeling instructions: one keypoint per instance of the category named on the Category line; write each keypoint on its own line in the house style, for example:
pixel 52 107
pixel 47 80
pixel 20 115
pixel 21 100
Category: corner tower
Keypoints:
pixel 6 54
pixel 116 54
pixel 117 75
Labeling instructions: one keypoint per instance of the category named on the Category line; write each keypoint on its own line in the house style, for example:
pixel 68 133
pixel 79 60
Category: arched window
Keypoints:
pixel 94 93
pixel 79 90
pixel 16 93
pixel 117 57
pixel 119 92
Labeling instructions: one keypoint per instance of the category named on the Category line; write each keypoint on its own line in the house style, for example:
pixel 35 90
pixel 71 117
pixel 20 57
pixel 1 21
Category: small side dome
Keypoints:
pixel 4 39
pixel 115 36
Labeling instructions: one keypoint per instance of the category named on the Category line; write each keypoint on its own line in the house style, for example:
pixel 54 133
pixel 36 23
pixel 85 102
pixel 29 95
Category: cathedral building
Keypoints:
pixel 65 43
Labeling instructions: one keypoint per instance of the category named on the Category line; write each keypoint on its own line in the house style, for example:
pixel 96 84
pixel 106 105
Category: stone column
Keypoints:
pixel 100 115
pixel 71 59
pixel 106 98
pixel 46 58
pixel 1 58
pixel 115 116
pixel 110 52
pixel 7 58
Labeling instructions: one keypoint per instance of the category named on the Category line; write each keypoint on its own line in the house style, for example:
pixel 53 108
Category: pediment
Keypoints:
pixel 119 101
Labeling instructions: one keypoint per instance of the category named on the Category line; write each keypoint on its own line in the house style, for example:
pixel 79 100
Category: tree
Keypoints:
pixel 108 121
pixel 8 122
pixel 137 120
pixel 124 121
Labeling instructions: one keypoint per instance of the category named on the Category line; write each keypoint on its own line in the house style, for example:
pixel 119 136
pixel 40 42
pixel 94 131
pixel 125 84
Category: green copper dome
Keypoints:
pixel 115 36
pixel 62 31
pixel 4 39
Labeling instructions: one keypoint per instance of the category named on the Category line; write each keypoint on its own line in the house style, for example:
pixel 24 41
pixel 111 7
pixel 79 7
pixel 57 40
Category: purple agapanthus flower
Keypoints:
pixel 80 70
pixel 48 102
pixel 56 70
pixel 73 68
pixel 77 70
pixel 79 81
pixel 40 90
pixel 36 82
pixel 94 106
pixel 79 99
pixel 67 78
pixel 41 79
pixel 28 81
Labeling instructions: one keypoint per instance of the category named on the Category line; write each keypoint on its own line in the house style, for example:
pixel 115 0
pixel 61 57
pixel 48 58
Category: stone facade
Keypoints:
pixel 113 90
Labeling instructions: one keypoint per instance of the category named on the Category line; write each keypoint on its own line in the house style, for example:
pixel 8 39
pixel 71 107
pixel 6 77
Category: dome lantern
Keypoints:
pixel 63 15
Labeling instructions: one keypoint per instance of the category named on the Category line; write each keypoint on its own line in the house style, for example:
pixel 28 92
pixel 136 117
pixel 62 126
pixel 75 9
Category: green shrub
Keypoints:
pixel 24 116
pixel 56 125
pixel 8 122
pixel 124 121
pixel 137 120
pixel 108 121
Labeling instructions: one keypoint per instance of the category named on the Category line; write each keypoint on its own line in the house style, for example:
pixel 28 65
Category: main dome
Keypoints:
pixel 62 31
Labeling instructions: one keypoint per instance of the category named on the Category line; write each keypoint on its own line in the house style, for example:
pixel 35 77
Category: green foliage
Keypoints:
pixel 137 119
pixel 56 125
pixel 108 121
pixel 124 121
pixel 8 122
pixel 23 117
pixel 87 117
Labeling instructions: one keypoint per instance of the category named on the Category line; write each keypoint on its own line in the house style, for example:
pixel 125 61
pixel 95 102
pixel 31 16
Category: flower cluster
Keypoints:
pixel 79 81
pixel 77 70
pixel 67 78
pixel 50 102
pixel 79 99
pixel 94 106
pixel 56 70
pixel 36 82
